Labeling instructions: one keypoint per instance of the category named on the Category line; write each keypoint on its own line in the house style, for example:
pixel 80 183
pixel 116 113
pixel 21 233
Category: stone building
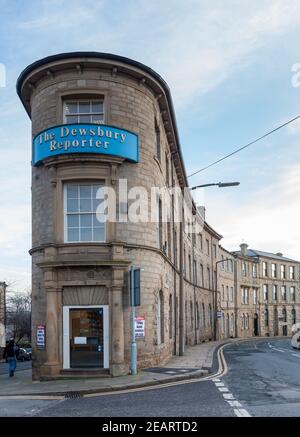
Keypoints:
pixel 104 123
pixel 268 293
pixel 2 316
pixel 227 295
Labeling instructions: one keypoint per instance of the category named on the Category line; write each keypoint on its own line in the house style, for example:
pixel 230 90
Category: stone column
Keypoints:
pixel 117 364
pixel 52 365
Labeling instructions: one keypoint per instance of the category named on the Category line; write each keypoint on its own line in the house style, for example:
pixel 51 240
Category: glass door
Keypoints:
pixel 86 338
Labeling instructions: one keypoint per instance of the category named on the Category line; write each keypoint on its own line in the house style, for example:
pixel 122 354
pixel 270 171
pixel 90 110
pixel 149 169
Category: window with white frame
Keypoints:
pixel 292 294
pixel 282 271
pixel 292 272
pixel 243 295
pixel 254 270
pixel 84 111
pixel 254 296
pixel 84 216
pixel 274 270
pixel 246 296
pixel 244 268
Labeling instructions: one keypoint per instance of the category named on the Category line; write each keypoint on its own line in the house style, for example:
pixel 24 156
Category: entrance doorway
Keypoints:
pixel 255 324
pixel 85 337
pixel 284 330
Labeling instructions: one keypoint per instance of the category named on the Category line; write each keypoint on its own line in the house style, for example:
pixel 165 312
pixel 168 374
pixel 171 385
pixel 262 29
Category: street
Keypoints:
pixel 263 379
pixel 20 366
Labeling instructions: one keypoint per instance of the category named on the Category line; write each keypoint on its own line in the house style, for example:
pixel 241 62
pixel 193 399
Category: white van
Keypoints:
pixel 296 336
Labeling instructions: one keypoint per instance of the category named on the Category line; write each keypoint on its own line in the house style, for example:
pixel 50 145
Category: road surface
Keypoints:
pixel 263 379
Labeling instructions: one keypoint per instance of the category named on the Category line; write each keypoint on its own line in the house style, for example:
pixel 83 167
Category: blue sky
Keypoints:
pixel 228 64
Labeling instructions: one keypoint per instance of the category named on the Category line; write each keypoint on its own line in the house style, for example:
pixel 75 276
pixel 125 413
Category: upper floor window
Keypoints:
pixel 282 271
pixel 82 201
pixel 208 278
pixel 214 251
pixel 244 269
pixel 84 111
pixel 254 270
pixel 292 272
pixel 265 269
pixel 283 292
pixel 293 294
pixel 231 294
pixel 201 242
pixel 274 292
pixel 201 276
pixel 265 291
pixel 254 296
pixel 167 171
pixel 157 141
pixel 274 271
pixel 207 247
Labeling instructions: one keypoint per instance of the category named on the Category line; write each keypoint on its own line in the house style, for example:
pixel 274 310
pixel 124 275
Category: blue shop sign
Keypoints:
pixel 85 138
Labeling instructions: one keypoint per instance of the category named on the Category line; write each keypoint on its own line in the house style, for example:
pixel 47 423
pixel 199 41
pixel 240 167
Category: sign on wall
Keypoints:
pixel 139 328
pixel 85 138
pixel 41 336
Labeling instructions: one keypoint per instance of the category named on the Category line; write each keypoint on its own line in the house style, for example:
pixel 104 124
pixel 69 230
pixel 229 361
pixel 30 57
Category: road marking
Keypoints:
pixel 295 355
pixel 223 389
pixel 216 380
pixel 275 349
pixel 241 412
pixel 220 384
pixel 228 396
pixel 234 403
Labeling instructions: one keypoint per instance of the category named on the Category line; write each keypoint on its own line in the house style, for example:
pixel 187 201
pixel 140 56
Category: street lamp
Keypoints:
pixel 218 184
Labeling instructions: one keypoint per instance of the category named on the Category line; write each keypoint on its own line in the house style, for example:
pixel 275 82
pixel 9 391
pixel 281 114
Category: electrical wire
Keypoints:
pixel 244 147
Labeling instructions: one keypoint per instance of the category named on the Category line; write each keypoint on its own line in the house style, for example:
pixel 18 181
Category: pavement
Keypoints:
pixel 197 362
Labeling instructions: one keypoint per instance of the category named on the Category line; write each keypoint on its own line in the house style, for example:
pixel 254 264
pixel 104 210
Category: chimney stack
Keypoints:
pixel 244 249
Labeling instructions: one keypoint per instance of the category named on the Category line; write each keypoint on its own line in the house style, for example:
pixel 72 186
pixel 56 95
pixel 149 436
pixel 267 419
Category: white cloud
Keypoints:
pixel 267 220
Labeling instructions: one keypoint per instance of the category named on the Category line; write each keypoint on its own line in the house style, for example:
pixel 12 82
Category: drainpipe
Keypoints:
pixel 174 263
pixel 181 284
pixel 236 295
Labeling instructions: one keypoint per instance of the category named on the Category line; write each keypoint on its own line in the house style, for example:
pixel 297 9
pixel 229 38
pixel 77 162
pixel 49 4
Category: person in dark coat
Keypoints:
pixel 10 354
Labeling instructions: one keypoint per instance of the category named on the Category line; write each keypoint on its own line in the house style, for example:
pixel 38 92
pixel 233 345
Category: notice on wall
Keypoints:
pixel 139 328
pixel 41 336
pixel 80 340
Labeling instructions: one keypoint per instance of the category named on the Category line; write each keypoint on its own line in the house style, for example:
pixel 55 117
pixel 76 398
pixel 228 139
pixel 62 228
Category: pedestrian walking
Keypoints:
pixel 10 355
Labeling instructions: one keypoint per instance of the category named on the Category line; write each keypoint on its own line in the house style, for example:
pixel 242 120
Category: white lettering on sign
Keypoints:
pixel 139 328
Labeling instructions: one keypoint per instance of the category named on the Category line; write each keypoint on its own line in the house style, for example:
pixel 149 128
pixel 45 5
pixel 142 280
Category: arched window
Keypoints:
pixel 284 316
pixel 293 316
pixel 227 325
pixel 203 316
pixel 170 316
pixel 232 324
pixel 266 314
pixel 223 323
pixel 209 315
pixel 247 321
pixel 243 321
pixel 197 315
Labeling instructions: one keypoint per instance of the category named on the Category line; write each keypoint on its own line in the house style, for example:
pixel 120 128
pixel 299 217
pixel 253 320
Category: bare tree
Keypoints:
pixel 18 315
